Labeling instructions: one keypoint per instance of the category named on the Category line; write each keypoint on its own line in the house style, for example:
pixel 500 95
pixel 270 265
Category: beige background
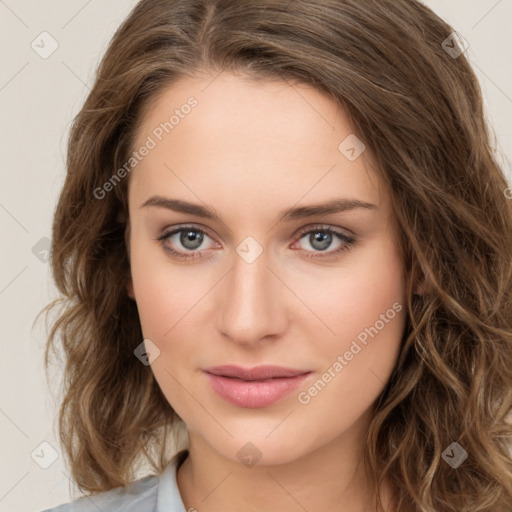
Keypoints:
pixel 38 100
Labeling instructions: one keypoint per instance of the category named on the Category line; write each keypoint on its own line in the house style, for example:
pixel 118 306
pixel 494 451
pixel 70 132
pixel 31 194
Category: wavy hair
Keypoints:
pixel 418 108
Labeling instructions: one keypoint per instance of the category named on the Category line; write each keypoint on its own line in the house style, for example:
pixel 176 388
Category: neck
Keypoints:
pixel 330 479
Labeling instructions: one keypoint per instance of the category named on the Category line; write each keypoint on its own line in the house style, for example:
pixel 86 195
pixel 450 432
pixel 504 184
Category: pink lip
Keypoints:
pixel 254 387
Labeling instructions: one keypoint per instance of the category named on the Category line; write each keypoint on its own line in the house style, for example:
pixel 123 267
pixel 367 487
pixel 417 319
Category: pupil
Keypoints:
pixel 191 239
pixel 323 239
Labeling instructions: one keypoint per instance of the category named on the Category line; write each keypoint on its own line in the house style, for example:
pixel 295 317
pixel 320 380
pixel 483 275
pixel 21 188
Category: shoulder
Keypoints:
pixel 154 493
pixel 140 496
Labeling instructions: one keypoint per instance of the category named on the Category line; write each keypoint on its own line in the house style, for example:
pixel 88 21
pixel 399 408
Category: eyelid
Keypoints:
pixel 324 227
pixel 198 227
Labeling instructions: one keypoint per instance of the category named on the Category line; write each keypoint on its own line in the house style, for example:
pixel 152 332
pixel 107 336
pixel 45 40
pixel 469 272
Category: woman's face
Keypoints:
pixel 243 168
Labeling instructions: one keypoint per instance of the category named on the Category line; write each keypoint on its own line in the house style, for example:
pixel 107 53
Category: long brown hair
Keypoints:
pixel 417 106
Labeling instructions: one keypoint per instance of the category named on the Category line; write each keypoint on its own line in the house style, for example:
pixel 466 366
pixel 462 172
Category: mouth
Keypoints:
pixel 254 387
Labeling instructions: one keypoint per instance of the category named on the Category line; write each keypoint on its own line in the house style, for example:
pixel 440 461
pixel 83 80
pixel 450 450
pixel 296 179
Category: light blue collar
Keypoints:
pixel 169 498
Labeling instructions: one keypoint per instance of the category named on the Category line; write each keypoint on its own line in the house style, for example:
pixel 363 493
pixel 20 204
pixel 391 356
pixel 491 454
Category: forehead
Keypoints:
pixel 273 111
pixel 262 140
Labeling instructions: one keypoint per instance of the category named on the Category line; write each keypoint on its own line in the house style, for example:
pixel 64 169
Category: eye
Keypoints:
pixel 320 238
pixel 188 237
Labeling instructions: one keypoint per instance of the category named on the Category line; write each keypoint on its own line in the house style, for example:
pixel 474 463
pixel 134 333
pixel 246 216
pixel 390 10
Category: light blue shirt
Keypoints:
pixel 150 494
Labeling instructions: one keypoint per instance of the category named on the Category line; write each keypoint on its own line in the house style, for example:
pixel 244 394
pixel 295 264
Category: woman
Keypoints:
pixel 284 229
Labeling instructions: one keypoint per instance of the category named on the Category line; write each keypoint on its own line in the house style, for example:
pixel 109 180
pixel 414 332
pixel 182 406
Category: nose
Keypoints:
pixel 252 303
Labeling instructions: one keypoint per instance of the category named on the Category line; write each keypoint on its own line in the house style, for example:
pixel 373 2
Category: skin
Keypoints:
pixel 249 150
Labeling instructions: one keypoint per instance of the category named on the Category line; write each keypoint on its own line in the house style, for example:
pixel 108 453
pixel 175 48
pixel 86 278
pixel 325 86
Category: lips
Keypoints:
pixel 254 387
pixel 257 373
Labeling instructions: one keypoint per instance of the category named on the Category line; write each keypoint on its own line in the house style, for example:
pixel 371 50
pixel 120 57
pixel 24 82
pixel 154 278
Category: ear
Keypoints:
pixel 129 290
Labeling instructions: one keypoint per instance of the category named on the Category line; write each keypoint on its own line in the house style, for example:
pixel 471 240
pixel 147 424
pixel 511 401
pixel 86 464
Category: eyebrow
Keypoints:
pixel 294 213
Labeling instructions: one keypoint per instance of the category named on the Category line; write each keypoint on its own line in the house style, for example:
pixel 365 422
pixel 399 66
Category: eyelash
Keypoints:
pixel 349 241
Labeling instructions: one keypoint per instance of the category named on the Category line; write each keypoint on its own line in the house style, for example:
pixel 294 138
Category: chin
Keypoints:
pixel 251 447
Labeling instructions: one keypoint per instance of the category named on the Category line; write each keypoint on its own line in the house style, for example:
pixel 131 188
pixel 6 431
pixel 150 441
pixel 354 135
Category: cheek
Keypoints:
pixel 155 293
pixel 367 313
pixel 165 292
pixel 166 295
pixel 365 304
pixel 375 283
pixel 378 312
